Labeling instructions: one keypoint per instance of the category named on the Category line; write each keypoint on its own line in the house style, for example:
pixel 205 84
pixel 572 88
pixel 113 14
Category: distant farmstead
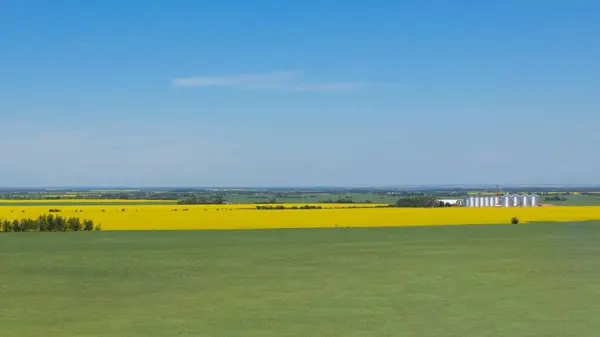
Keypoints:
pixel 453 202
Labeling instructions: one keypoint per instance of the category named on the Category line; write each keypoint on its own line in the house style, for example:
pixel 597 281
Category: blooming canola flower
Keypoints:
pixel 182 217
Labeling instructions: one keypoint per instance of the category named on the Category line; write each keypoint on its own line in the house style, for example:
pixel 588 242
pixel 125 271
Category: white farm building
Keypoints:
pixel 453 202
pixel 507 200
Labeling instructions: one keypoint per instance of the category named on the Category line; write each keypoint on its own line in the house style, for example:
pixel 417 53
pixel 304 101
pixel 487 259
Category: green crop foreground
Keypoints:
pixel 509 280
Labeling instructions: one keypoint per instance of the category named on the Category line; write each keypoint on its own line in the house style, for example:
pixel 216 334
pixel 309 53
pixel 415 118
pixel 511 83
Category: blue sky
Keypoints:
pixel 296 93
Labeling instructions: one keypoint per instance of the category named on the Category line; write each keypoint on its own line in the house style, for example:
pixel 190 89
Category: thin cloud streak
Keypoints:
pixel 274 81
pixel 327 87
pixel 240 80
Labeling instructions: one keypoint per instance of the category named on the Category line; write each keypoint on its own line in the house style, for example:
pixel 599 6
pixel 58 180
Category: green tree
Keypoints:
pixel 51 225
pixel 26 225
pixel 219 200
pixel 59 223
pixel 16 225
pixel 6 226
pixel 88 225
pixel 74 224
pixel 42 223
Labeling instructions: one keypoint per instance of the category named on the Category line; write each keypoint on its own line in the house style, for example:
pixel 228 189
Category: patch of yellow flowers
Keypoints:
pixel 8 202
pixel 181 217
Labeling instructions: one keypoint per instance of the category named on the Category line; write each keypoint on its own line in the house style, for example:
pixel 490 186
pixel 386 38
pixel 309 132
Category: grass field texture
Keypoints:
pixel 157 217
pixel 578 200
pixel 534 280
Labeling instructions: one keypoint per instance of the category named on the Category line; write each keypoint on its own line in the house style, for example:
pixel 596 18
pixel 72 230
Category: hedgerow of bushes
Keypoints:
pixel 282 207
pixel 48 223
pixel 269 207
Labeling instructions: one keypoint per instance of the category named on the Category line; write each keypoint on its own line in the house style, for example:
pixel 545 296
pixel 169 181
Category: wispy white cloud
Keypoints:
pixel 240 80
pixel 326 87
pixel 274 81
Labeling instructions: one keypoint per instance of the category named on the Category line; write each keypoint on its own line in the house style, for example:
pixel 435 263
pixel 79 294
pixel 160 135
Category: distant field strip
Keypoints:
pixel 86 202
pixel 83 201
pixel 178 217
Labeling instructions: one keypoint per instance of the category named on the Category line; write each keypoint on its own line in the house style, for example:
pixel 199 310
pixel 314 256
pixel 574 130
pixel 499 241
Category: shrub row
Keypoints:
pixel 48 223
pixel 293 207
pixel 421 202
pixel 281 207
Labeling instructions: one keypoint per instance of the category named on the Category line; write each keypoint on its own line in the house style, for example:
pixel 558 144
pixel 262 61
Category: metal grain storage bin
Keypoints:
pixel 535 200
pixel 477 202
pixel 506 200
pixel 516 200
pixel 525 200
pixel 495 200
pixel 486 201
pixel 471 201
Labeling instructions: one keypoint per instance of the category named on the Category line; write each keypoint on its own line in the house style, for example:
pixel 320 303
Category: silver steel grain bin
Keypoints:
pixel 506 200
pixel 525 200
pixel 516 200
pixel 535 200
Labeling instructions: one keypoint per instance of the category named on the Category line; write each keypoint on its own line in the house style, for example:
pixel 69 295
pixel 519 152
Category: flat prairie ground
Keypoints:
pixel 495 280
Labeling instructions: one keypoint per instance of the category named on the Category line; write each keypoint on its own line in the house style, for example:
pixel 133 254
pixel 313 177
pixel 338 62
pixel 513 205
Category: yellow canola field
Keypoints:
pixel 163 217
pixel 79 201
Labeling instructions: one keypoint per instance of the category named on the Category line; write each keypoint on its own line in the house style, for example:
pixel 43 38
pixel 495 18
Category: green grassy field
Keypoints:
pixel 320 197
pixel 313 198
pixel 505 280
pixel 232 196
pixel 577 200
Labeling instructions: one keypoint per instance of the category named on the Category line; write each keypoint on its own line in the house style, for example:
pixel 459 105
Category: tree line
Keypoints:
pixel 402 202
pixel 280 207
pixel 555 198
pixel 421 202
pixel 340 200
pixel 48 223
pixel 202 200
pixel 269 207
